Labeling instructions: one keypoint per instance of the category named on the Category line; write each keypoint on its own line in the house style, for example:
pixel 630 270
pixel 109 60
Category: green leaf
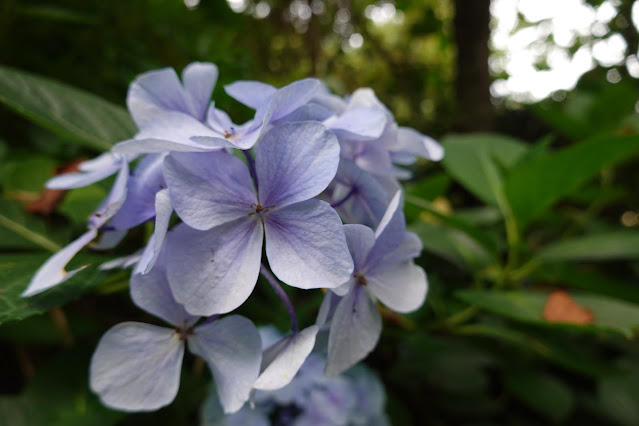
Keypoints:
pixel 567 274
pixel 542 393
pixel 557 352
pixel 453 245
pixel 477 162
pixel 605 246
pixel 536 185
pixel 19 230
pixel 27 175
pixel 16 271
pixel 609 314
pixel 618 395
pixel 67 111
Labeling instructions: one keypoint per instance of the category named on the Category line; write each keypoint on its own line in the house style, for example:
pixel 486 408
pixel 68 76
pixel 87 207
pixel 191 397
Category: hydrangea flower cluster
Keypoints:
pixel 305 193
pixel 356 397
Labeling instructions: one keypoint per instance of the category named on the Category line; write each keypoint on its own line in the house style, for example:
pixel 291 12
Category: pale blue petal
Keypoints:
pixel 306 246
pixel 219 120
pixel 360 240
pixel 142 186
pixel 360 123
pixel 109 240
pixel 155 92
pixel 179 128
pixel 282 361
pixel 212 414
pixel 52 272
pixel 355 330
pixel 402 288
pixel 295 162
pixel 390 232
pixel 287 99
pixel 412 141
pixel 232 348
pixel 408 249
pixel 123 262
pixel 199 79
pixel 367 204
pixel 114 201
pixel 152 293
pixel 163 210
pixel 215 271
pixel 253 94
pixel 209 189
pixel 109 163
pixel 327 308
pixel 136 367
pixel 309 112
pixel 368 155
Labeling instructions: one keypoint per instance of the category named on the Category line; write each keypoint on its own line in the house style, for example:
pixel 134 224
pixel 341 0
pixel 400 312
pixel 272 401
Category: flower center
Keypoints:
pixel 360 279
pixel 183 332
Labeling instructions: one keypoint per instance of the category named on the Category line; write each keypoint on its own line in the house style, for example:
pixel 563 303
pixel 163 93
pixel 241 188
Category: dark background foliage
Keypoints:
pixel 548 200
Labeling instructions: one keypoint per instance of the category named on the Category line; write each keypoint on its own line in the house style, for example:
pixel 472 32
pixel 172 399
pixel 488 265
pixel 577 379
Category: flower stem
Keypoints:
pixel 282 295
pixel 251 166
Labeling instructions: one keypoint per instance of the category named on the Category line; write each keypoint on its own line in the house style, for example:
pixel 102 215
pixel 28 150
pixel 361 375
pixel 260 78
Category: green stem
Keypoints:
pixel 29 235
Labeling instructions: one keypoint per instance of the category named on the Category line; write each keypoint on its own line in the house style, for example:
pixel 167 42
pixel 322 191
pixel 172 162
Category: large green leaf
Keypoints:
pixel 609 314
pixel 570 275
pixel 17 269
pixel 610 245
pixel 67 111
pixel 477 161
pixel 534 186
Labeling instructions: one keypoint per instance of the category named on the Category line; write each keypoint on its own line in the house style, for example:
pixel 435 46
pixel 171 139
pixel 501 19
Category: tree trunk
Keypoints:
pixel 472 33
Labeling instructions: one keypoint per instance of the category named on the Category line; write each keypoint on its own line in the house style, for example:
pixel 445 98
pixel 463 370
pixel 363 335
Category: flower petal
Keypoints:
pixel 355 330
pixel 215 271
pixel 295 162
pixel 410 140
pixel 163 210
pixel 287 99
pixel 367 204
pixel 209 189
pixel 327 308
pixel 390 232
pixel 232 348
pixel 152 293
pixel 142 187
pixel 360 240
pixel 155 92
pixel 136 367
pixel 172 131
pixel 52 272
pixel 360 123
pixel 306 246
pixel 199 79
pixel 281 361
pixel 250 93
pixel 99 168
pixel 402 287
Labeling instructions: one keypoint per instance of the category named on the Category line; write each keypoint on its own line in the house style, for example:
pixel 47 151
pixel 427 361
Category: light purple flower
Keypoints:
pixel 214 271
pixel 136 366
pixel 384 271
pixel 179 132
pixel 53 272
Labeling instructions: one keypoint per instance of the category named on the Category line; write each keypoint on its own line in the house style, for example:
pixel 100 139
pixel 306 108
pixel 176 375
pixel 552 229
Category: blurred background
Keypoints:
pixel 537 104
